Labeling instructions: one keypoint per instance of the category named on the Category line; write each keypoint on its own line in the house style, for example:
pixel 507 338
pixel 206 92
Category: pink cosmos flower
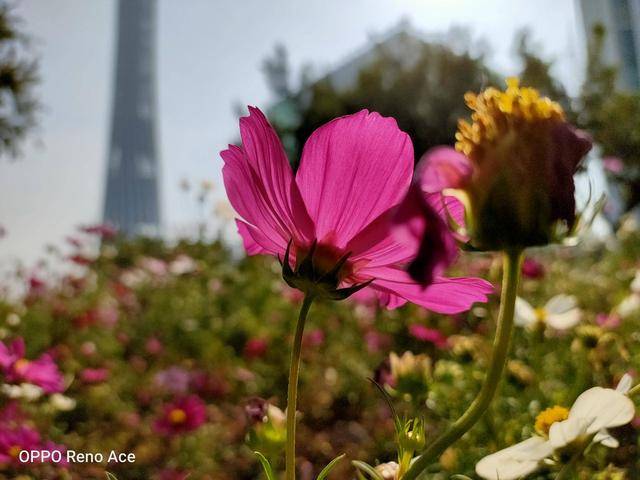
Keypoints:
pixel 337 209
pixel 42 372
pixel 426 334
pixel 183 415
pixel 15 439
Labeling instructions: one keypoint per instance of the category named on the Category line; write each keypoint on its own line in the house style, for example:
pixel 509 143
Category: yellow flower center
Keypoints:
pixel 21 364
pixel 495 112
pixel 14 451
pixel 177 415
pixel 548 417
pixel 541 314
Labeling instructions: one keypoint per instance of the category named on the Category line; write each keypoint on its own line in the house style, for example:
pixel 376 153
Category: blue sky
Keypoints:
pixel 210 52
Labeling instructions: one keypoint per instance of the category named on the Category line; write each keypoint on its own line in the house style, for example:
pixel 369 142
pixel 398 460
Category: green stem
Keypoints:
pixel 567 469
pixel 510 279
pixel 292 391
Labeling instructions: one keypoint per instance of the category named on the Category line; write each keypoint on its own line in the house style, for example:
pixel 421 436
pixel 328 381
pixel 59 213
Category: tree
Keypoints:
pixel 18 77
pixel 420 84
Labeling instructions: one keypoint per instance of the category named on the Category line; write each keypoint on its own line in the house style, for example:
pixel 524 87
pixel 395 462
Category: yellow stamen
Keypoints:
pixel 177 415
pixel 495 112
pixel 14 451
pixel 21 364
pixel 548 417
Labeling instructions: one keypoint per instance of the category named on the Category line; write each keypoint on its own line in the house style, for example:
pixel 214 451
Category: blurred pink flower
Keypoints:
pixel 532 268
pixel 613 165
pixel 183 415
pixel 426 334
pixel 210 385
pixel 42 372
pixel 103 230
pixel 314 338
pixel 173 474
pixel 81 260
pixel 15 439
pixel 609 321
pixel 377 341
pixel 153 346
pixel 354 171
pixel 255 348
pixel 174 379
pixel 94 375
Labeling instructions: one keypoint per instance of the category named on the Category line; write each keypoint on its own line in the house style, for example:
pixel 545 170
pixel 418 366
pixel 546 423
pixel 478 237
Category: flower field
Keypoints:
pixel 170 353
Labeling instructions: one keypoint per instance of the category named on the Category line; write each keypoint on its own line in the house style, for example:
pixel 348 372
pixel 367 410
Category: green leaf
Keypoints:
pixel 268 471
pixel 457 476
pixel 368 469
pixel 325 471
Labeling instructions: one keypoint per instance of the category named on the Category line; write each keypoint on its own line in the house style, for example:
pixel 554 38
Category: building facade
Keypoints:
pixel 132 197
pixel 621 20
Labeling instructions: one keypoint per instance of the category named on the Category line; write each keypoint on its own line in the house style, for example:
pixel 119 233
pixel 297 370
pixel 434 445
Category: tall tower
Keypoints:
pixel 133 179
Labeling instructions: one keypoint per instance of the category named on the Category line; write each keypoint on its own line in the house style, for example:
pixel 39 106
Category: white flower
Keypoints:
pixel 26 391
pixel 560 312
pixel 388 471
pixel 183 265
pixel 629 305
pixel 590 417
pixel 62 402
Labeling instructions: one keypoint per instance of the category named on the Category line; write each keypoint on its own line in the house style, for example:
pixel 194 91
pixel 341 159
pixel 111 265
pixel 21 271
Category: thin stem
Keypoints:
pixel 292 391
pixel 510 279
pixel 566 470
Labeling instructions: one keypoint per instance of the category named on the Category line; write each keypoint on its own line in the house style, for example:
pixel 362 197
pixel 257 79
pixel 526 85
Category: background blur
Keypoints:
pixel 167 342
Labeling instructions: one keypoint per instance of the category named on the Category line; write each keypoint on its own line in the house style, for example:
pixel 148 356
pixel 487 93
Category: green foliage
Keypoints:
pixel 18 77
pixel 420 84
pixel 205 318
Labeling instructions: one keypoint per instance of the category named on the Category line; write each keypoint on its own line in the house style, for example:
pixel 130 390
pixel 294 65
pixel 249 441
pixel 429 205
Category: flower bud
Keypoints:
pixel 411 373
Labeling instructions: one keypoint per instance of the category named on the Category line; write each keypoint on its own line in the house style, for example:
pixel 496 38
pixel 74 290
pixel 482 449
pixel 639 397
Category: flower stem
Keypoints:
pixel 292 391
pixel 567 469
pixel 510 279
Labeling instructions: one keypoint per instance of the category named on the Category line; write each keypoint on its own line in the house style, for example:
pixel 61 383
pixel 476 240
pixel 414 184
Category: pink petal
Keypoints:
pixel 255 243
pixel 260 185
pixel 444 295
pixel 376 246
pixel 352 170
pixel 441 168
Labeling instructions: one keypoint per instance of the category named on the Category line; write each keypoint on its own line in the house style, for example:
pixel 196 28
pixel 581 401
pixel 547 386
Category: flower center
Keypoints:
pixel 177 416
pixel 14 451
pixel 495 112
pixel 541 314
pixel 21 365
pixel 325 258
pixel 548 417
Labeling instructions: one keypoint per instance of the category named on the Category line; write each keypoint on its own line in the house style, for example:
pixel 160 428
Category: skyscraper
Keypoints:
pixel 133 179
pixel 621 20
